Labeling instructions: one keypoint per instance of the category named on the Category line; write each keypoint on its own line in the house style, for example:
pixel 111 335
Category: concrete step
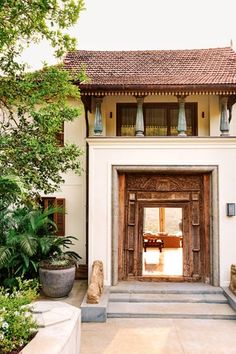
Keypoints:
pixel 168 298
pixel 170 310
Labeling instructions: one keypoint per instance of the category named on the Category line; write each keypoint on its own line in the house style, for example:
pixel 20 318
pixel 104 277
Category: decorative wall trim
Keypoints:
pixel 163 142
pixel 157 93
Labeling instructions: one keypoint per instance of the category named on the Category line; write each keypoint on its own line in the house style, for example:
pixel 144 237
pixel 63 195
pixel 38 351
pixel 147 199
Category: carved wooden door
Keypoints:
pixel 191 193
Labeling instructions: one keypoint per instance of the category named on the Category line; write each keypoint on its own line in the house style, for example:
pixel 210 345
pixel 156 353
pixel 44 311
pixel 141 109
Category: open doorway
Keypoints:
pixel 162 241
pixel 185 195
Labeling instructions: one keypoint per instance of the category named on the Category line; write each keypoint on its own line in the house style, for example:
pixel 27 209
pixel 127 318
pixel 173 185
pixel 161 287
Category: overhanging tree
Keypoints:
pixel 34 106
pixel 25 21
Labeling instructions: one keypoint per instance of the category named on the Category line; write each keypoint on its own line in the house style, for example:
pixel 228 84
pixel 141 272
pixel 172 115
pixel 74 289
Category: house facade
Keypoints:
pixel 159 134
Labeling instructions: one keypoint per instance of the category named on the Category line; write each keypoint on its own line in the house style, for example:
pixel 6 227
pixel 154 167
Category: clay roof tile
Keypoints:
pixel 155 68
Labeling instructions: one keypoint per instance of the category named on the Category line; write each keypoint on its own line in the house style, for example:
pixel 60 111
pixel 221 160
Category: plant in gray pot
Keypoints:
pixel 57 273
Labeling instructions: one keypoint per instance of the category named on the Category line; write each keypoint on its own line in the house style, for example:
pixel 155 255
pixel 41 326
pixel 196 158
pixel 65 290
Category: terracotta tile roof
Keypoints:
pixel 156 69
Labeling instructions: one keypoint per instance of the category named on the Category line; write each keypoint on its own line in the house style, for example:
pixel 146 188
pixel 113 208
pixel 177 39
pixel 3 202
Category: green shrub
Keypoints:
pixel 27 234
pixel 17 325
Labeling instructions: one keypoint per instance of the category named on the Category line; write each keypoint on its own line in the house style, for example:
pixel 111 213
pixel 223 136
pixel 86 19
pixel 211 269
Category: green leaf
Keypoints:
pixel 5 254
pixel 28 244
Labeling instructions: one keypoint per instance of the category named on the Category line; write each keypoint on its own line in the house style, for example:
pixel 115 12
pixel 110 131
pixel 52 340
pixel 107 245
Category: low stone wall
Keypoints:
pixel 60 329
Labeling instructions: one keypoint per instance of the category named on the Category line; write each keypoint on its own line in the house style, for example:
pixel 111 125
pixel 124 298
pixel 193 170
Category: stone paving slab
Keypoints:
pixel 159 336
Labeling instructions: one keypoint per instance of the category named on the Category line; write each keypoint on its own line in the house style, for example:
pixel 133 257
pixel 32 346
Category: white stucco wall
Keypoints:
pixel 74 188
pixel 104 153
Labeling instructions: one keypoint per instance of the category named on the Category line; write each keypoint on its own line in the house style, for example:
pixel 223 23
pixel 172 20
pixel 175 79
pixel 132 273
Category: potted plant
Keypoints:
pixel 28 237
pixel 57 273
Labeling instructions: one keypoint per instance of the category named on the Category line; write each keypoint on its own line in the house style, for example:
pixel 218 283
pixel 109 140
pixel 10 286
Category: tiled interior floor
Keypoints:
pixel 167 262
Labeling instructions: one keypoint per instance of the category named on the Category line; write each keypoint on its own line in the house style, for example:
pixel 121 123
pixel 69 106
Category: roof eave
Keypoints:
pixel 91 89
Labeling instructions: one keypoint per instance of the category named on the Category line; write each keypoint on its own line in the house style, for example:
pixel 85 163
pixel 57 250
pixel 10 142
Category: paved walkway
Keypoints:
pixel 154 336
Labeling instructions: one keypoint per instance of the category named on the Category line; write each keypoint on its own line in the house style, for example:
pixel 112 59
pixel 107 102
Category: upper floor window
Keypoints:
pixel 160 119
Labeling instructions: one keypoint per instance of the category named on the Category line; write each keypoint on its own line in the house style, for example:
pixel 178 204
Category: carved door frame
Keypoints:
pixel 189 191
pixel 117 216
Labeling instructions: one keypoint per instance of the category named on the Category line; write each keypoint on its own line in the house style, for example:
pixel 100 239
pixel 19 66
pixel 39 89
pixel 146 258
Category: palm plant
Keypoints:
pixel 27 233
pixel 30 238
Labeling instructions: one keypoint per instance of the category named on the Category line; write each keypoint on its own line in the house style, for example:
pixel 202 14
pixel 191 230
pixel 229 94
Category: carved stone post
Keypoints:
pixel 182 125
pixel 224 118
pixel 139 125
pixel 98 127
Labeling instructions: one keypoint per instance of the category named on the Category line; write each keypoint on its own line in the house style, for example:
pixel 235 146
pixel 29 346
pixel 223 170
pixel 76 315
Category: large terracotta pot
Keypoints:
pixel 57 282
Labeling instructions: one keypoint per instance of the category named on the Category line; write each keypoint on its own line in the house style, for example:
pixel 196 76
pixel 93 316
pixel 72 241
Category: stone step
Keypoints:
pixel 170 310
pixel 137 287
pixel 176 298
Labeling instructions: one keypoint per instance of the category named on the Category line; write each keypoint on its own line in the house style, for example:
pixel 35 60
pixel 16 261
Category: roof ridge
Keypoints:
pixel 150 50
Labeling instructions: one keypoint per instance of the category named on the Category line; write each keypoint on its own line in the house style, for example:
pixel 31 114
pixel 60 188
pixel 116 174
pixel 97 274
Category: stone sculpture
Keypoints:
pixel 95 288
pixel 232 285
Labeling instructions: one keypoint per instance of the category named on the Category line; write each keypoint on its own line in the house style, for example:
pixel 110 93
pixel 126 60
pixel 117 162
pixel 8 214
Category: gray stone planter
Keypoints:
pixel 57 282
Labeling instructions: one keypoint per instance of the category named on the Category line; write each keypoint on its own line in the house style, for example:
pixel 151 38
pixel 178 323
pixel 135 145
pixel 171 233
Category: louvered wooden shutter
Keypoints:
pixel 48 202
pixel 60 217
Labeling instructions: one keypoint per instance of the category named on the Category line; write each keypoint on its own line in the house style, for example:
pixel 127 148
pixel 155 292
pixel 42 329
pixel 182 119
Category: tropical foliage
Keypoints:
pixel 28 144
pixel 28 237
pixel 34 106
pixel 11 191
pixel 24 22
pixel 17 325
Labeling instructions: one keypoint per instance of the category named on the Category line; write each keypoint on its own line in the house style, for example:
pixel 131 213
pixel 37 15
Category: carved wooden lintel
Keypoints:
pixel 163 183
pixel 163 196
pixel 87 102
